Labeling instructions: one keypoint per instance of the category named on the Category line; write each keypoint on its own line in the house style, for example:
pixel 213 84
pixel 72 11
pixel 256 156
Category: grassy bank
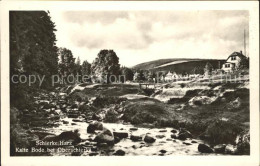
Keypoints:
pixel 219 121
pixel 216 112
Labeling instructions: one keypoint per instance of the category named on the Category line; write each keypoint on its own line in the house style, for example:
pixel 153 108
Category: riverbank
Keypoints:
pixel 210 115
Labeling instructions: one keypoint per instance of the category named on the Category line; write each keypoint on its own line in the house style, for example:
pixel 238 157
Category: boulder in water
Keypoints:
pixel 230 149
pixel 117 140
pixel 119 153
pixel 93 126
pixel 204 148
pixel 160 136
pixel 133 129
pixel 42 134
pixel 69 136
pixel 105 136
pixel 72 136
pixel 135 138
pixel 219 148
pixel 120 134
pixel 187 143
pixel 174 131
pixel 184 134
pixel 174 136
pixel 163 151
pixel 149 139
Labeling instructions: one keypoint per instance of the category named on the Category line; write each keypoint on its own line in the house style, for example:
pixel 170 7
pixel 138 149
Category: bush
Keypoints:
pixel 144 111
pixel 164 122
pixel 111 116
pixel 222 132
pixel 189 94
pixel 19 137
pixel 87 109
pixel 78 96
pixel 143 118
pixel 102 101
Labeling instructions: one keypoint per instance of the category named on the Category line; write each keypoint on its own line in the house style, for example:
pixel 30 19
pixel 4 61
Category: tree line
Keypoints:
pixel 105 64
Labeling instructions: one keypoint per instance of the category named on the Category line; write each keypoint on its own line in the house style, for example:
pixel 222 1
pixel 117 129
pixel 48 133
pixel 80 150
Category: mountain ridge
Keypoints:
pixel 179 65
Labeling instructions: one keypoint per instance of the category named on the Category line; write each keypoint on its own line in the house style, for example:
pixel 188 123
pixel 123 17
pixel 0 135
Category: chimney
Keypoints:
pixel 241 52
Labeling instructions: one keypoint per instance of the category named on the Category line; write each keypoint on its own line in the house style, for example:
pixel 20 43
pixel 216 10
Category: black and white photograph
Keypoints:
pixel 129 83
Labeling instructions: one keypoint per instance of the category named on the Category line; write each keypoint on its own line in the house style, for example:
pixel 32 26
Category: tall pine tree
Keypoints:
pixel 33 51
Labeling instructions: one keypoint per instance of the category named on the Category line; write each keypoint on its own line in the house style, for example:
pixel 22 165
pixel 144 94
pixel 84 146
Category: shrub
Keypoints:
pixel 164 122
pixel 78 96
pixel 144 111
pixel 111 116
pixel 102 101
pixel 223 132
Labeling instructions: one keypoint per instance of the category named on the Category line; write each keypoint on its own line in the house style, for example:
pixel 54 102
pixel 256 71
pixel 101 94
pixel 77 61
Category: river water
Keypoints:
pixel 164 144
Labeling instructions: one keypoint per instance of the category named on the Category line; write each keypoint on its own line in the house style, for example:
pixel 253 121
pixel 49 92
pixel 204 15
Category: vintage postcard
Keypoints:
pixel 107 82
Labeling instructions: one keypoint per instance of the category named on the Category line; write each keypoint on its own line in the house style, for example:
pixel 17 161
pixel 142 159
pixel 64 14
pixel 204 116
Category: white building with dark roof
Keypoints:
pixel 233 61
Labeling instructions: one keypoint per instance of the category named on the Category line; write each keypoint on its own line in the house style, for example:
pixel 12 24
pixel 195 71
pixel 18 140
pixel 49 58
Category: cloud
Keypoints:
pixel 104 17
pixel 139 36
pixel 122 34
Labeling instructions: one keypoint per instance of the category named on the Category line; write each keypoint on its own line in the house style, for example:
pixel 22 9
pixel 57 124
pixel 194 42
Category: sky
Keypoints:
pixel 142 36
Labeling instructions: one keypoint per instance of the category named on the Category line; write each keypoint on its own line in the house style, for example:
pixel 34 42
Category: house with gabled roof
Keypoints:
pixel 233 61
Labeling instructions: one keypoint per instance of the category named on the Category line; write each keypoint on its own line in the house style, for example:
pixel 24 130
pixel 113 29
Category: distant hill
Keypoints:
pixel 179 65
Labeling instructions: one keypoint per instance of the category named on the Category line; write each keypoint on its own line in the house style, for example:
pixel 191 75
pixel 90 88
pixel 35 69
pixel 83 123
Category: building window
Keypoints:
pixel 227 65
pixel 233 58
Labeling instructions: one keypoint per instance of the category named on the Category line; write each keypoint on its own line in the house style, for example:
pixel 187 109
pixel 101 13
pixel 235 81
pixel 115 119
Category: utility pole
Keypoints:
pixel 245 41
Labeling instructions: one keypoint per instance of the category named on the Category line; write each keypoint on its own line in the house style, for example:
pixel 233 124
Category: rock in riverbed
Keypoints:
pixel 163 151
pixel 219 148
pixel 204 148
pixel 149 139
pixel 174 131
pixel 135 138
pixel 160 136
pixel 133 129
pixel 173 136
pixel 105 136
pixel 92 127
pixel 65 122
pixel 64 136
pixel 119 153
pixel 184 134
pixel 230 149
pixel 187 143
pixel 120 134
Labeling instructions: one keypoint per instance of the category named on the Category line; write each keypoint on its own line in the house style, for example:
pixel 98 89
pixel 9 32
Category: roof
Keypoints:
pixel 229 62
pixel 237 54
